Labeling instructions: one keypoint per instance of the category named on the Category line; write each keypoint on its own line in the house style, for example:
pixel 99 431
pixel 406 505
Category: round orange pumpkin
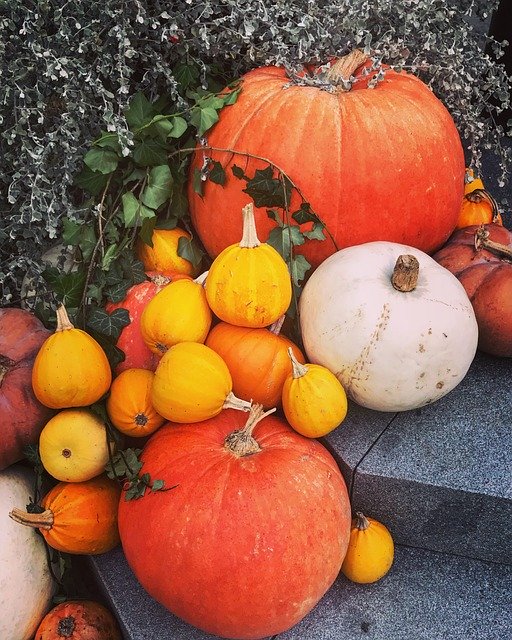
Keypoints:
pixel 252 535
pixel 478 207
pixel 360 158
pixel 78 620
pixel 163 255
pixel 78 517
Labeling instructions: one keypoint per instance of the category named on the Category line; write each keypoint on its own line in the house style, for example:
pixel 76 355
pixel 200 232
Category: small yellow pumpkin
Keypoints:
pixel 163 255
pixel 178 313
pixel 370 551
pixel 192 383
pixel 314 402
pixel 129 404
pixel 73 445
pixel 471 182
pixel 249 284
pixel 70 369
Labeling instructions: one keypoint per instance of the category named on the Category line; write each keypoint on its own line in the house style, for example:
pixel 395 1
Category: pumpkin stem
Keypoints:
pixel 478 195
pixel 35 520
pixel 345 67
pixel 202 278
pixel 482 242
pixel 249 236
pixel 63 322
pixel 241 442
pixel 298 368
pixel 232 402
pixel 160 280
pixel 405 274
pixel 361 521
pixel 276 327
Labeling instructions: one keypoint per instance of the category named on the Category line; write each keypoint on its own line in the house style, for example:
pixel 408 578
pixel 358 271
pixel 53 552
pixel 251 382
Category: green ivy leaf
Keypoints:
pixel 158 188
pixel 197 181
pixel 149 153
pixel 68 287
pixel 109 257
pixel 203 119
pixel 188 249
pixel 139 112
pixel 146 230
pixel 316 233
pixel 179 126
pixel 267 191
pixel 157 485
pixel 232 96
pixel 137 174
pixel 134 211
pixel 238 172
pixel 304 214
pixel 103 160
pixel 299 267
pixel 109 140
pixel 217 173
pixel 109 325
pixel 79 235
pixel 284 238
pixel 185 74
pixel 91 181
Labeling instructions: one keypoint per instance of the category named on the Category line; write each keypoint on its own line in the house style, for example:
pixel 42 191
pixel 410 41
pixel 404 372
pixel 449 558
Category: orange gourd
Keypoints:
pixel 78 517
pixel 257 360
pixel 471 183
pixel 163 255
pixel 70 369
pixel 129 404
pixel 248 284
pixel 478 207
pixel 78 620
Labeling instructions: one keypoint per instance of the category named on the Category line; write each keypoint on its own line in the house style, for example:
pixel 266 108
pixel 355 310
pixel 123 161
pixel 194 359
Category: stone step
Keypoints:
pixel 439 477
pixel 425 596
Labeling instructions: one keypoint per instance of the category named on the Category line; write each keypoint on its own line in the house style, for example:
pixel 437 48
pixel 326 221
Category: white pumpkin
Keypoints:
pixel 26 585
pixel 391 350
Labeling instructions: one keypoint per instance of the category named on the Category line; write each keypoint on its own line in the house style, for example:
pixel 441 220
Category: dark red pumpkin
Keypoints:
pixel 78 620
pixel 481 258
pixel 375 164
pixel 22 416
pixel 254 531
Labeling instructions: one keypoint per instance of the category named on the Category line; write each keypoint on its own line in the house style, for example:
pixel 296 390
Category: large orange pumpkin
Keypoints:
pixel 375 164
pixel 253 533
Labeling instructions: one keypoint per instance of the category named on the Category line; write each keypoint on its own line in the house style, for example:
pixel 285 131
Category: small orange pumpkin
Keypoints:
pixel 163 255
pixel 478 207
pixel 129 404
pixel 78 517
pixel 471 182
pixel 78 620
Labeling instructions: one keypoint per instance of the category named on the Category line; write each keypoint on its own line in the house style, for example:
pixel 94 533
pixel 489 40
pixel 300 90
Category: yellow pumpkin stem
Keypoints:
pixel 232 402
pixel 241 442
pixel 299 369
pixel 361 521
pixel 345 67
pixel 405 274
pixel 63 321
pixel 35 520
pixel 249 235
pixel 482 242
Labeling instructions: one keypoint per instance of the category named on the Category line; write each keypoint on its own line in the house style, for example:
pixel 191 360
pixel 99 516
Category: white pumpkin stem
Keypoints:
pixel 298 369
pixel 276 327
pixel 241 442
pixel 345 67
pixel 249 236
pixel 482 242
pixel 232 402
pixel 63 321
pixel 405 274
pixel 361 521
pixel 42 520
pixel 202 278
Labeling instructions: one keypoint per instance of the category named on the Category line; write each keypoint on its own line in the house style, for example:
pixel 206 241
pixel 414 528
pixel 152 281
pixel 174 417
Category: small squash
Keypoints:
pixel 248 284
pixel 471 182
pixel 78 620
pixel 257 360
pixel 177 313
pixel 78 517
pixel 163 255
pixel 129 404
pixel 314 402
pixel 478 207
pixel 73 445
pixel 370 551
pixel 70 369
pixel 192 383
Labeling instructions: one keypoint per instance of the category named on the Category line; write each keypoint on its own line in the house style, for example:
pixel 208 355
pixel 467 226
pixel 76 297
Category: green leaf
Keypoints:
pixel 103 160
pixel 179 126
pixel 185 74
pixel 159 187
pixel 79 235
pixel 149 152
pixel 197 181
pixel 212 102
pixel 139 112
pixel 134 211
pixel 238 172
pixel 299 267
pixel 146 230
pixel 157 485
pixel 110 325
pixel 274 215
pixel 188 249
pixel 267 191
pixel 91 181
pixel 161 126
pixel 68 287
pixel 203 119
pixel 304 214
pixel 109 140
pixel 125 463
pixel 110 255
pixel 71 232
pixel 167 223
pixel 137 174
pixel 232 97
pixel 316 233
pixel 217 173
pixel 279 238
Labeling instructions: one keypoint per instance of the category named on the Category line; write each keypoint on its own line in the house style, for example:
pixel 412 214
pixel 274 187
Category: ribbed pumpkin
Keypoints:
pixel 314 402
pixel 70 369
pixel 193 383
pixel 78 517
pixel 359 156
pixel 163 255
pixel 177 313
pixel 129 404
pixel 78 620
pixel 254 532
pixel 249 284
pixel 257 360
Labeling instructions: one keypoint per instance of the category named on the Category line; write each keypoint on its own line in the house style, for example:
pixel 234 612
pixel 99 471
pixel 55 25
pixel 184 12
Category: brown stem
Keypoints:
pixel 405 274
pixel 276 327
pixel 362 522
pixel 6 365
pixel 482 242
pixel 249 236
pixel 241 442
pixel 63 322
pixel 232 402
pixel 299 369
pixel 345 67
pixel 160 280
pixel 35 520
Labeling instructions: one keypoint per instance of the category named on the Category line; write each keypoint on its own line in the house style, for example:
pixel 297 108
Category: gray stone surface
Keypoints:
pixel 425 596
pixel 440 477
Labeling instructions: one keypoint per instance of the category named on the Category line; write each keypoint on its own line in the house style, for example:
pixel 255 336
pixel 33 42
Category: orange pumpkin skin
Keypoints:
pixel 361 161
pixel 78 620
pixel 251 544
pixel 257 360
pixel 487 279
pixel 477 208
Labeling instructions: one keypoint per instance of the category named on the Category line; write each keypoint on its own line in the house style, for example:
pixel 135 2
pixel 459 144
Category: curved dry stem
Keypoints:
pixel 35 520
pixel 298 368
pixel 241 442
pixel 63 321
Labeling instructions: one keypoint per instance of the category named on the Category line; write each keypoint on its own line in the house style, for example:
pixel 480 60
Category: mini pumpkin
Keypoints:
pixel 163 255
pixel 478 207
pixel 78 620
pixel 471 182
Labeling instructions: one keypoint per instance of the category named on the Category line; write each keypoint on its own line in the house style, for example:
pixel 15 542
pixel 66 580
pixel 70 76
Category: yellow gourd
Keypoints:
pixel 471 183
pixel 249 284
pixel 370 551
pixel 73 445
pixel 70 369
pixel 193 383
pixel 178 313
pixel 163 256
pixel 314 402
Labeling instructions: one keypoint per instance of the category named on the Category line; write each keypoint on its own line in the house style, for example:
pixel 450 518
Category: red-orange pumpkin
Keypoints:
pixel 22 416
pixel 78 620
pixel 375 164
pixel 253 533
